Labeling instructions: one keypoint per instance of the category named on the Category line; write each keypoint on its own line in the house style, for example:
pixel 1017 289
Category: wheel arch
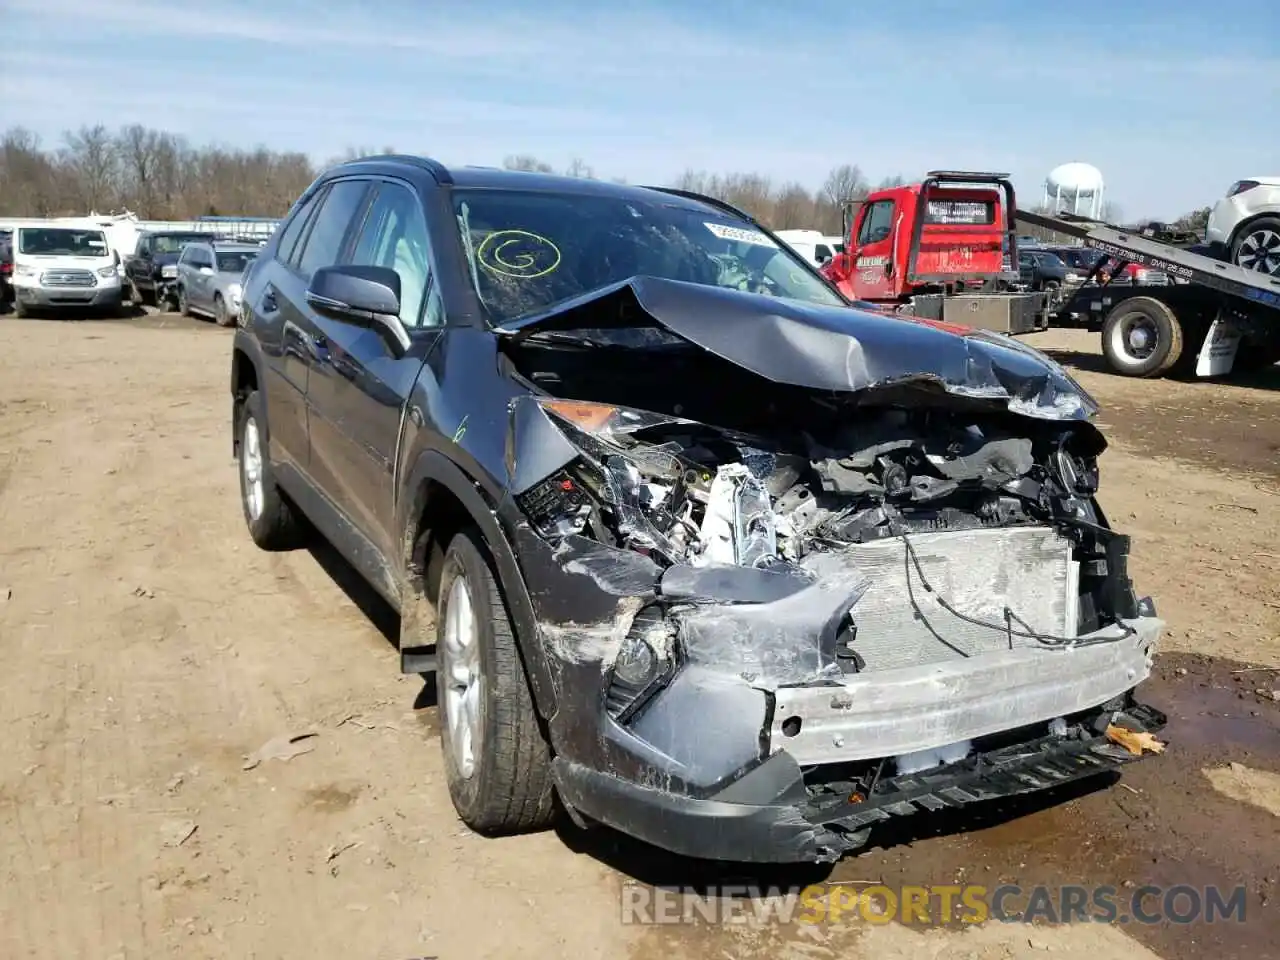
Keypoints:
pixel 1244 225
pixel 245 379
pixel 441 499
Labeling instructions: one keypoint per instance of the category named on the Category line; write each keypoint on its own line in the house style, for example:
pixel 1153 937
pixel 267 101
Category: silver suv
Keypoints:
pixel 209 275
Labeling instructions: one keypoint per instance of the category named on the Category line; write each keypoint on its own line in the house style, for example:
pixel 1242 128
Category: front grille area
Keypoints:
pixel 67 278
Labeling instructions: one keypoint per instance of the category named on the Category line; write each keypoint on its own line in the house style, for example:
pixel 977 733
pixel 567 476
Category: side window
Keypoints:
pixel 395 236
pixel 878 223
pixel 293 229
pixel 323 244
pixel 185 255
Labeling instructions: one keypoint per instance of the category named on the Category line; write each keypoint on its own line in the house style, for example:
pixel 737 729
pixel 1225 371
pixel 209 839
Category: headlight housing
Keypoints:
pixel 107 272
pixel 169 270
pixel 630 479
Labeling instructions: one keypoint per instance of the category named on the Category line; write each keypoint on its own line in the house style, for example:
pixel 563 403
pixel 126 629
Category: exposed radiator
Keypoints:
pixel 979 573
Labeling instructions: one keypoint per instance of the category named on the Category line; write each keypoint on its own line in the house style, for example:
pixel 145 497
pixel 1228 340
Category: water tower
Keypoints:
pixel 1075 188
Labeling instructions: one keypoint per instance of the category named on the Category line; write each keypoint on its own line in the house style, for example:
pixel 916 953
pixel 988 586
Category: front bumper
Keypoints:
pixel 770 815
pixel 62 297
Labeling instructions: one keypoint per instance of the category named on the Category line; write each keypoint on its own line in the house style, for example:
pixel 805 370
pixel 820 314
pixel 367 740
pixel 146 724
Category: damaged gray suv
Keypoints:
pixel 690 543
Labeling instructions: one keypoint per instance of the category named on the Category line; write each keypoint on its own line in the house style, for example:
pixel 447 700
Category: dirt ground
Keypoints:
pixel 150 649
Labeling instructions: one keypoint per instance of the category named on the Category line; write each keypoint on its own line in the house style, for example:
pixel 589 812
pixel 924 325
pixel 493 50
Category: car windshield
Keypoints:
pixel 62 242
pixel 528 251
pixel 172 243
pixel 235 261
pixel 1080 258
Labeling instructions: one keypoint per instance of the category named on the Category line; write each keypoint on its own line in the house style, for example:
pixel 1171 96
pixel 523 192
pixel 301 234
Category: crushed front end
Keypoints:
pixel 827 610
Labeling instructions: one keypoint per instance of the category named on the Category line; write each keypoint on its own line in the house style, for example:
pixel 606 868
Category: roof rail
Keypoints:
pixel 703 198
pixel 437 169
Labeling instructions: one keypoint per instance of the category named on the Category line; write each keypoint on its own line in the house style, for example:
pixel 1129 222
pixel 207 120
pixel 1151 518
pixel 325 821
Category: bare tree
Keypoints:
pixel 523 161
pixel 91 160
pixel 845 182
pixel 30 184
pixel 793 208
pixel 159 175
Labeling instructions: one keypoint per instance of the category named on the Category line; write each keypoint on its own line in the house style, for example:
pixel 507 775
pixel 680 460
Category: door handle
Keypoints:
pixel 318 347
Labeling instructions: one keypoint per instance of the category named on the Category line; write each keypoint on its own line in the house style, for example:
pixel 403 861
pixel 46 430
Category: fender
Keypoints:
pixel 243 343
pixel 434 466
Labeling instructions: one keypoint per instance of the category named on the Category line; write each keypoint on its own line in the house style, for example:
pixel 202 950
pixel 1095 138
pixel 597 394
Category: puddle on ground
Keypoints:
pixel 1159 823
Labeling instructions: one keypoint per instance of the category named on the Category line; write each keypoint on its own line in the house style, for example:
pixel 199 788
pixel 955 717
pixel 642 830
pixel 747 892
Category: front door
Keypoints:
pixel 357 392
pixel 871 259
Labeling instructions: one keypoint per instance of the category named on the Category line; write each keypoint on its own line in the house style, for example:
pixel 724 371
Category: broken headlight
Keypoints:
pixel 640 486
pixel 647 659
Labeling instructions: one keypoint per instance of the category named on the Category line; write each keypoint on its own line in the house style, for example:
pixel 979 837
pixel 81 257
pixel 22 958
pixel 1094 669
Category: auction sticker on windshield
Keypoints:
pixel 739 235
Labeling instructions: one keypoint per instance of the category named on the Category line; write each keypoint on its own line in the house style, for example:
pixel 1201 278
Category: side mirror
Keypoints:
pixel 207 271
pixel 364 295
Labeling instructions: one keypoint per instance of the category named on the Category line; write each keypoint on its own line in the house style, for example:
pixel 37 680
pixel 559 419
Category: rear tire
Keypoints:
pixel 497 762
pixel 1141 337
pixel 1257 247
pixel 272 523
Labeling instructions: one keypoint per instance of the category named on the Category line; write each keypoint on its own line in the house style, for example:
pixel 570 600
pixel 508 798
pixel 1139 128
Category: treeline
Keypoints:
pixel 161 176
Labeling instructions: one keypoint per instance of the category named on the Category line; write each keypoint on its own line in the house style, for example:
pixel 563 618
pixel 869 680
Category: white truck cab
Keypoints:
pixel 813 245
pixel 64 265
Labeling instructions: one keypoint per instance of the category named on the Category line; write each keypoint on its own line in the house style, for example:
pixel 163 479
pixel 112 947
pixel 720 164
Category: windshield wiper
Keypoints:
pixel 557 336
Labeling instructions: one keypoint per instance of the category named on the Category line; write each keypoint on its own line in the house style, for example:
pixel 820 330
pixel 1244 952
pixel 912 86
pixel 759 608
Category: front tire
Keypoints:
pixel 497 762
pixel 1258 247
pixel 184 308
pixel 272 523
pixel 1141 337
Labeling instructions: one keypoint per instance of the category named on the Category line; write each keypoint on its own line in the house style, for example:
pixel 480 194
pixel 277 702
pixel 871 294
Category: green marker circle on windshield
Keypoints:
pixel 518 253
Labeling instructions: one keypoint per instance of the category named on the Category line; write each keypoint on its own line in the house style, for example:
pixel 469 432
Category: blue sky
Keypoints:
pixel 1172 101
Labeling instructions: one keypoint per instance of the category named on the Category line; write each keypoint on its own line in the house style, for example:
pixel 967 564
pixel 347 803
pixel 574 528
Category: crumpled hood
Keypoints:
pixel 840 349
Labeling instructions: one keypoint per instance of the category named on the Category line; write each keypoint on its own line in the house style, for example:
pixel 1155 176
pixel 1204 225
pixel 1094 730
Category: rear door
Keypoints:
pixel 274 327
pixel 871 258
pixel 357 391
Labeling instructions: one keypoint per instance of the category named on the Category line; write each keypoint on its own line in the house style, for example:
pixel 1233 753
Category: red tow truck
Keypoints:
pixel 941 249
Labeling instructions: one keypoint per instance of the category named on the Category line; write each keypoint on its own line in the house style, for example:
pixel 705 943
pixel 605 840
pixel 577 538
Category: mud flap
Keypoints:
pixel 1218 352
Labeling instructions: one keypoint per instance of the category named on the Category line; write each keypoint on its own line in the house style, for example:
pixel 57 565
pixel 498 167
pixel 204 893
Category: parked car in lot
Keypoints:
pixel 69 267
pixel 1244 226
pixel 815 246
pixel 6 267
pixel 1041 269
pixel 1079 261
pixel 153 269
pixel 687 539
pixel 209 275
